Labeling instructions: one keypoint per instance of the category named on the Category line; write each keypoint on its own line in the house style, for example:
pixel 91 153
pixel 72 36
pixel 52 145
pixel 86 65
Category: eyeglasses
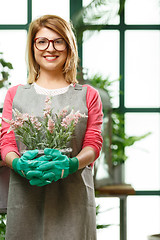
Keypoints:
pixel 43 43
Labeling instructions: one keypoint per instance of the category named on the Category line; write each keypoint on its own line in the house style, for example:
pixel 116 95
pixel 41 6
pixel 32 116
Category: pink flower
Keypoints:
pixel 72 117
pixel 25 117
pixel 48 100
pixel 14 124
pixel 51 125
pixel 63 112
pixel 35 122
pixel 20 116
pixel 38 125
pixel 47 109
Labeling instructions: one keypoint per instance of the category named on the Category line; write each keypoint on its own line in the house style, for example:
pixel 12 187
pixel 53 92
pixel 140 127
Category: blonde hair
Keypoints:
pixel 64 29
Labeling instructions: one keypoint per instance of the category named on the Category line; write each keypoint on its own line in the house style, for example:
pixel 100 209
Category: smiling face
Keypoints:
pixel 50 59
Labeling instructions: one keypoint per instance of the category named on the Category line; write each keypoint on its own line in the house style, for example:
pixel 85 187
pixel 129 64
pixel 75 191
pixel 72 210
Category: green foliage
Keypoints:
pixel 5 67
pixel 98 212
pixel 2 226
pixel 101 226
pixel 99 83
pixel 120 139
pixel 96 14
pixel 103 83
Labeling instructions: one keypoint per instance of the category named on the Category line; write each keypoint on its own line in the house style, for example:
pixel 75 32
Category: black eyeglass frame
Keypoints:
pixel 49 41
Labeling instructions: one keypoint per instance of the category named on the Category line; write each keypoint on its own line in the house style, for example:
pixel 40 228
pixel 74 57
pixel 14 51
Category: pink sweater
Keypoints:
pixel 92 138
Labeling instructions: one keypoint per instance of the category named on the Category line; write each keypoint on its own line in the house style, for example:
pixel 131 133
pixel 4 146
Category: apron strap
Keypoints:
pixel 27 86
pixel 78 87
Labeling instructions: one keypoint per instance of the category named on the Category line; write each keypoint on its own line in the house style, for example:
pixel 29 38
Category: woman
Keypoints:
pixel 58 204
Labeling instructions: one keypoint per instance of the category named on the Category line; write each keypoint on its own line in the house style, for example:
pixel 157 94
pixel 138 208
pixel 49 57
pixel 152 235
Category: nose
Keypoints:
pixel 51 47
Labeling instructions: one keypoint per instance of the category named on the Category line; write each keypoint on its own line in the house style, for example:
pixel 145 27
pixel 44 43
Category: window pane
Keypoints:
pixel 143 163
pixel 142 71
pixel 13 49
pixel 101 56
pixel 13 12
pixel 142 12
pixel 109 215
pixel 143 218
pixel 107 11
pixel 60 8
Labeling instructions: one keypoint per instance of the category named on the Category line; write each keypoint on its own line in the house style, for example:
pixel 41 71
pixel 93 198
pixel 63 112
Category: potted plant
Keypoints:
pixel 115 140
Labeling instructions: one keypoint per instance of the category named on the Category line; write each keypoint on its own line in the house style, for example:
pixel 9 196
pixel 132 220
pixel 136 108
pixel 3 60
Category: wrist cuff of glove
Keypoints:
pixel 14 164
pixel 73 165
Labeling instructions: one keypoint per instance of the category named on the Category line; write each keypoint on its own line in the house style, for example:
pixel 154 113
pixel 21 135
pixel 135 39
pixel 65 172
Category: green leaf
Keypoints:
pixel 2 226
pixel 5 75
pixel 101 226
pixel 132 139
pixel 6 64
pixel 9 65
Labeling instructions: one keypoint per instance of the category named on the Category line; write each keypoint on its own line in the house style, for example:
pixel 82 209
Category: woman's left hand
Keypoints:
pixel 60 166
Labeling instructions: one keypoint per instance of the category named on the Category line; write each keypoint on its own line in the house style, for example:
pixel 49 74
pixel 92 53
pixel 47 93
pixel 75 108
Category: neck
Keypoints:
pixel 51 80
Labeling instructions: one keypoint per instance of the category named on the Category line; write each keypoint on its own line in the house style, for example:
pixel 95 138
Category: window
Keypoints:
pixel 13 32
pixel 130 48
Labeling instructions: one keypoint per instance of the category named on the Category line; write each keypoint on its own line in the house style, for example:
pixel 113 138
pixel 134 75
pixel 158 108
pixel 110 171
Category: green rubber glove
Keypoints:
pixel 21 164
pixel 32 171
pixel 60 166
pixel 57 155
pixel 39 182
pixel 26 165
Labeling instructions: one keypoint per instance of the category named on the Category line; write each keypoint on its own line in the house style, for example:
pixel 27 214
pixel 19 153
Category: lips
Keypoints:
pixel 50 58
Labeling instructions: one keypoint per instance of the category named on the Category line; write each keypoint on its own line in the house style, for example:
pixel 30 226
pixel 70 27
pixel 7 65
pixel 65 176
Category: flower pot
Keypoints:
pixel 105 176
pixel 65 151
pixel 118 174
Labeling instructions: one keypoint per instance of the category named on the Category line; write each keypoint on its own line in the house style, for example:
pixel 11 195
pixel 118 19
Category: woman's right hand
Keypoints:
pixel 27 165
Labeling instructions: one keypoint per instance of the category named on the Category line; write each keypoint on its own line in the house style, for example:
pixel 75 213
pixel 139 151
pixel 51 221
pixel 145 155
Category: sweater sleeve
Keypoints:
pixel 8 141
pixel 93 137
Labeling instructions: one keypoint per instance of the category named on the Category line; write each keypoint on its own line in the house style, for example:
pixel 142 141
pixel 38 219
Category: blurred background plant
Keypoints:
pixel 98 212
pixel 120 140
pixel 94 15
pixel 2 226
pixel 5 68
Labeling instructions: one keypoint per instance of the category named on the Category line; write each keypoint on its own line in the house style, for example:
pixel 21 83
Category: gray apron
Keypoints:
pixel 61 210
